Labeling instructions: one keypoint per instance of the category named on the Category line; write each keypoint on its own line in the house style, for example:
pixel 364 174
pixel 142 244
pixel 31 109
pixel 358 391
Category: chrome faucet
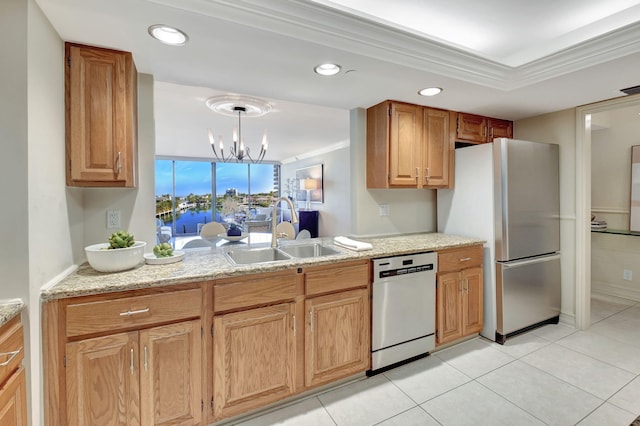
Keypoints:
pixel 294 218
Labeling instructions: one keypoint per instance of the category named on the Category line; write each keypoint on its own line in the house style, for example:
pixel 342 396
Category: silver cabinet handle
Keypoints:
pixel 129 313
pixel 465 259
pixel 294 325
pixel 12 355
pixel 427 176
pixel 131 361
pixel 466 285
pixel 119 161
pixel 311 321
pixel 145 358
pixel 417 174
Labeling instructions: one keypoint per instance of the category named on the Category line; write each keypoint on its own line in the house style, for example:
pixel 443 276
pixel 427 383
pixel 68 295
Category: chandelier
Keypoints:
pixel 237 106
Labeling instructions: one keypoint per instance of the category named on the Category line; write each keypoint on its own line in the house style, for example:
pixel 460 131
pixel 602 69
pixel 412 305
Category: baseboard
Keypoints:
pixel 567 319
pixel 608 297
pixel 613 290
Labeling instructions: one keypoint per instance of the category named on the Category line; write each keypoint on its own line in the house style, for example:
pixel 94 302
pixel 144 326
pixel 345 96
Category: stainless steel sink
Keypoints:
pixel 259 255
pixel 308 250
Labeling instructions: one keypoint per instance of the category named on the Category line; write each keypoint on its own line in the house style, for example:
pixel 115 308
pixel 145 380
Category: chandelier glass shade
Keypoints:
pixel 237 106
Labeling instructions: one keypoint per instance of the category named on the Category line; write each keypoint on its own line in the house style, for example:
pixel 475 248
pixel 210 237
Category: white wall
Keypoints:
pixel 14 136
pixel 560 127
pixel 50 213
pixel 14 253
pixel 335 216
pixel 618 130
pixel 410 210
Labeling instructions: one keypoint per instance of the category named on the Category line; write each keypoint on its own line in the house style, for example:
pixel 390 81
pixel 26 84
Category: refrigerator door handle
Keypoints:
pixel 529 261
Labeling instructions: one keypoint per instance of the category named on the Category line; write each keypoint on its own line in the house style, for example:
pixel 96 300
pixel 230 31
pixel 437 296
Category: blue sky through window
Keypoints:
pixel 195 177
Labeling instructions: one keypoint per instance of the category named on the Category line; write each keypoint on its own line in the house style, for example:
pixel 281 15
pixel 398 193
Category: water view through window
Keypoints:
pixel 185 191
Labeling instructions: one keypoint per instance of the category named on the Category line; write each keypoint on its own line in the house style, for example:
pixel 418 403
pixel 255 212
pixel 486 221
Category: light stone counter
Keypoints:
pixel 202 264
pixel 9 310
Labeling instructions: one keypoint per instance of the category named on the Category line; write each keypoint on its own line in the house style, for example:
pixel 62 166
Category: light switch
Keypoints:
pixel 384 209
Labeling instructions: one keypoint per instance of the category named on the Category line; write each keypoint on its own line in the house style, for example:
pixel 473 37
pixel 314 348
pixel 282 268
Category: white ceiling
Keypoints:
pixel 504 58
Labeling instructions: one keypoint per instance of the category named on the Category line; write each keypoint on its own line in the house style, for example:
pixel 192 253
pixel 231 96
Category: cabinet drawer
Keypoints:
pixel 253 290
pixel 118 314
pixel 336 278
pixel 458 259
pixel 11 348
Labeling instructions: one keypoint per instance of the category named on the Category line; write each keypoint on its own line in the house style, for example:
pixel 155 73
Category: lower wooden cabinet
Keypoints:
pixel 127 358
pixel 151 377
pixel 13 384
pixel 336 336
pixel 278 334
pixel 254 358
pixel 13 400
pixel 103 385
pixel 171 375
pixel 459 294
pixel 459 308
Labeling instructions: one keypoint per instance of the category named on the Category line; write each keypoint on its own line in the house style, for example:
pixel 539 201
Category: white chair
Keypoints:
pixel 303 235
pixel 286 228
pixel 212 229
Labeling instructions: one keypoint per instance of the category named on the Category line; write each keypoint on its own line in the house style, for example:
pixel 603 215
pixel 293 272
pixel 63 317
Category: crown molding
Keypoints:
pixel 320 24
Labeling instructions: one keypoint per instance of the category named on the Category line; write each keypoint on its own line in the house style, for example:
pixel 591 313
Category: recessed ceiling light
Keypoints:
pixel 430 91
pixel 168 35
pixel 327 69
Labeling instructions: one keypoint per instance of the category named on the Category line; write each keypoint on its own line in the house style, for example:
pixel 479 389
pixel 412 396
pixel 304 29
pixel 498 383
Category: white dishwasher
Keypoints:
pixel 403 308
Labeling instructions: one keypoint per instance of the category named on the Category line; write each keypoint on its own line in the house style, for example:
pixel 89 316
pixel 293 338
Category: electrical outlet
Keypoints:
pixel 627 275
pixel 383 209
pixel 113 219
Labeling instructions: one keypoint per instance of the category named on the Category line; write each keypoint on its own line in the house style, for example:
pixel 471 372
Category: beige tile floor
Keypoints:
pixel 554 375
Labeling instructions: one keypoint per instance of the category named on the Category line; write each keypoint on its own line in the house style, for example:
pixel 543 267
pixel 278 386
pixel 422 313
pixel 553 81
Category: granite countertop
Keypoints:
pixel 201 264
pixel 8 310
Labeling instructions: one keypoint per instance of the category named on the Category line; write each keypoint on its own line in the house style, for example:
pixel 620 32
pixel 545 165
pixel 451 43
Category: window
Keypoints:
pixel 185 193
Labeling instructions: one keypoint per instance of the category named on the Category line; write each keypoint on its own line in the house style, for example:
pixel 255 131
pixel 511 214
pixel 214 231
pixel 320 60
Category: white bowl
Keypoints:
pixel 103 259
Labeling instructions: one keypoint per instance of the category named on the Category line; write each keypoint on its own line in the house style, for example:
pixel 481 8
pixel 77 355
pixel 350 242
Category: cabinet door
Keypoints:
pixel 472 128
pixel 405 145
pixel 436 147
pixel 13 400
pixel 102 381
pixel 500 129
pixel 170 374
pixel 472 301
pixel 448 307
pixel 336 336
pixel 253 358
pixel 100 110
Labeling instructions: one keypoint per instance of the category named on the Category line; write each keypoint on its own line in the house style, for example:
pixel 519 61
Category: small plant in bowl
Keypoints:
pixel 122 252
pixel 163 250
pixel 120 239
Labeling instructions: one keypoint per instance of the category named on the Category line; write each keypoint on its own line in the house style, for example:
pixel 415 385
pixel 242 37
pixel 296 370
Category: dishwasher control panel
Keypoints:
pixel 405 271
pixel 397 266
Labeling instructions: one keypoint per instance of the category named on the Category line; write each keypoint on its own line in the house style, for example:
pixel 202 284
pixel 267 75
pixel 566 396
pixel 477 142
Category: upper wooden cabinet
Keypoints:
pixel 409 146
pixel 478 129
pixel 101 117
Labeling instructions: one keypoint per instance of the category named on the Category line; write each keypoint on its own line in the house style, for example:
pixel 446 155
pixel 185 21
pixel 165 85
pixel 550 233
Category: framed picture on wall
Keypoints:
pixel 634 217
pixel 310 184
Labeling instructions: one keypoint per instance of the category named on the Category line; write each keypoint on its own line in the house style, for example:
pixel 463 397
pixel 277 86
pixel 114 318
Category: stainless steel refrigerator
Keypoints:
pixel 507 192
